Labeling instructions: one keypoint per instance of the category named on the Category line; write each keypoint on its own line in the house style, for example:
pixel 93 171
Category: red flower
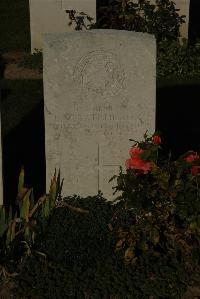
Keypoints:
pixel 195 170
pixel 138 164
pixel 135 162
pixel 192 157
pixel 156 140
pixel 135 151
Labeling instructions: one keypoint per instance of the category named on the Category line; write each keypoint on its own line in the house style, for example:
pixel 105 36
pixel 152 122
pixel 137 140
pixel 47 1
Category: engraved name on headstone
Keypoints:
pixel 99 91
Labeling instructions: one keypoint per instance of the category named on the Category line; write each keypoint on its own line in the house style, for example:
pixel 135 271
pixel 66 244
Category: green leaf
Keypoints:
pixel 25 208
pixel 146 155
pixel 53 191
pixel 21 180
pixel 8 235
pixel 2 214
pixel 27 233
pixel 9 215
pixel 3 224
pixel 112 178
pixel 58 184
pixel 46 208
pixel 13 227
pixel 155 236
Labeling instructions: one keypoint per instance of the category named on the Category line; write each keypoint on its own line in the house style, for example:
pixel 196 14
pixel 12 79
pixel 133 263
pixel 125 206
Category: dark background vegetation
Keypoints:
pixel 14 26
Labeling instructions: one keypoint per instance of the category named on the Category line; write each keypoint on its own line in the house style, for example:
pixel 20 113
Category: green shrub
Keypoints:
pixel 154 179
pixel 161 203
pixel 175 59
pixel 87 234
pixel 19 227
pixel 82 263
pixel 76 244
pixel 160 19
pixel 33 61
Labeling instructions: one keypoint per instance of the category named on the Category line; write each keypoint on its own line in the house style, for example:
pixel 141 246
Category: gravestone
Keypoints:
pixel 184 6
pixel 99 91
pixel 49 16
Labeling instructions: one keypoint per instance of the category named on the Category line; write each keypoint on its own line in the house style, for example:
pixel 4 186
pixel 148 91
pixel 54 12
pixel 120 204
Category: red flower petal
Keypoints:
pixel 156 140
pixel 192 157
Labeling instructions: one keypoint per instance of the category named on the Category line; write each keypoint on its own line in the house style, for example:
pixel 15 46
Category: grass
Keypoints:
pixel 15 26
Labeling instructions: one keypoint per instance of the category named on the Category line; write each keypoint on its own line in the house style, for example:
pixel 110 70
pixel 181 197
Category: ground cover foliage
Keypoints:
pixel 178 59
pixel 160 18
pixel 145 245
pixel 82 263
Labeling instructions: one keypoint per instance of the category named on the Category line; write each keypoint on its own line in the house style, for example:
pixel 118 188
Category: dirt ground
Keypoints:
pixel 12 71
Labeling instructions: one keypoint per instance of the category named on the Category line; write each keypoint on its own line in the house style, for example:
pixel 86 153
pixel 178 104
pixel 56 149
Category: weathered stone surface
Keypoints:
pixel 49 16
pixel 99 91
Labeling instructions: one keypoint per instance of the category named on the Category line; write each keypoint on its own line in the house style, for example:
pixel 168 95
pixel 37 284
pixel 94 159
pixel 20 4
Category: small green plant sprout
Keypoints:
pixel 24 223
pixel 54 195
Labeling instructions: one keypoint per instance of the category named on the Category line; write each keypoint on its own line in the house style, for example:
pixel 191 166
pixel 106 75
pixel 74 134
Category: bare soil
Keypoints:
pixel 12 71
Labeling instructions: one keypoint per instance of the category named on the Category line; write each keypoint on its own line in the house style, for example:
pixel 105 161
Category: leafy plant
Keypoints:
pixel 33 61
pixel 161 19
pixel 84 256
pixel 159 207
pixel 153 177
pixel 18 232
pixel 175 59
pixel 81 19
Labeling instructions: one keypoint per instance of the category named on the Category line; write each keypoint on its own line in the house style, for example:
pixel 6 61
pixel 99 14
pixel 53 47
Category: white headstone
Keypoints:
pixel 184 6
pixel 99 91
pixel 49 16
